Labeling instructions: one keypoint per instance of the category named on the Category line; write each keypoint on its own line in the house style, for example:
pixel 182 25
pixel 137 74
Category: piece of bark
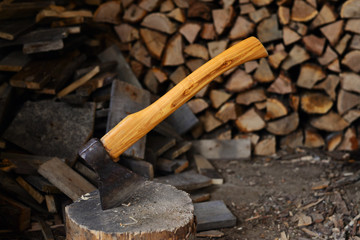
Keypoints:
pixel 239 81
pixel 247 8
pixel 314 44
pixel 212 215
pixel 126 32
pixel 66 179
pixel 263 73
pixel 199 9
pixel 346 101
pixel 349 141
pixel 159 22
pixel 309 75
pixel 209 121
pixel 229 111
pixel 290 36
pixel 333 31
pixel 266 146
pixel 14 62
pixel 313 139
pixel 17 215
pixel 179 74
pixel 187 181
pixel 197 50
pixel 282 85
pixel 140 167
pixel 177 150
pixel 250 121
pixel 178 15
pixel 351 115
pixel 284 15
pixel 222 19
pixel 173 54
pixel 251 96
pixel 333 140
pixel 223 149
pixel 204 167
pixel 50 203
pixel 350 9
pixel 329 85
pixel 276 58
pixel 259 14
pixel 108 12
pixel 198 105
pixel 140 53
pixel 167 6
pixel 326 15
pixel 218 97
pixel 127 222
pixel 331 122
pixel 216 47
pixel 350 81
pixel 268 29
pixel 149 5
pixel 315 103
pixel 342 44
pixel 302 11
pixel 32 191
pixel 208 31
pixel 285 125
pixel 352 25
pixel 274 109
pixel 296 56
pixel 241 29
pixel 155 42
pixel 250 66
pixel 351 60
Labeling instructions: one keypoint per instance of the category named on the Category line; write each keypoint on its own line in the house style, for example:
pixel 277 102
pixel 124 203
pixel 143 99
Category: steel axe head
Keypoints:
pixel 116 183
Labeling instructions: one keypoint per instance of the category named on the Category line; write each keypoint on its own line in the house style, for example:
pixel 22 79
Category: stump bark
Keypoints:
pixel 156 211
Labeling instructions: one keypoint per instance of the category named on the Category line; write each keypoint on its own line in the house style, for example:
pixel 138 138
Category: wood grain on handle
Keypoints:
pixel 136 125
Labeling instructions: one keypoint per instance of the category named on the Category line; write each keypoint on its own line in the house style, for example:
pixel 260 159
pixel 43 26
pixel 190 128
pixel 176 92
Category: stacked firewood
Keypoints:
pixel 306 93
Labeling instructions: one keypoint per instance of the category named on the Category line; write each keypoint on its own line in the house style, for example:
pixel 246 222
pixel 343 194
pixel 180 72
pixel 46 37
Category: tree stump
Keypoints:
pixel 156 211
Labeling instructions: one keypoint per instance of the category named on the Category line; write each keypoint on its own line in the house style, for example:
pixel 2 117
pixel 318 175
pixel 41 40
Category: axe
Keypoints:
pixel 117 183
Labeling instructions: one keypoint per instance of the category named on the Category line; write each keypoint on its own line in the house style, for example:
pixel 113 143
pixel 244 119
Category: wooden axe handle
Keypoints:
pixel 136 125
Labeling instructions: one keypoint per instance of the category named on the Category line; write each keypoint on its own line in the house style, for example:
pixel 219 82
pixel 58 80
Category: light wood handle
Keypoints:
pixel 136 125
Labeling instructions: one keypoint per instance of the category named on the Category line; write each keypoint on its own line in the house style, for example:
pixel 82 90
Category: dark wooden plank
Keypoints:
pixel 17 215
pixel 187 181
pixel 24 163
pixel 50 128
pixel 205 168
pixel 213 215
pixel 171 166
pixel 24 9
pixel 10 30
pixel 88 173
pixel 127 99
pixel 143 168
pixel 113 53
pixel 45 46
pixel 6 97
pixel 223 149
pixel 178 149
pixel 159 144
pixel 42 184
pixel 14 61
pixel 183 119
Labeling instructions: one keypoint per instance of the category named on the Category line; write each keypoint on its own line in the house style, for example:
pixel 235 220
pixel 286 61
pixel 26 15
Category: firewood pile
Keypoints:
pixel 72 70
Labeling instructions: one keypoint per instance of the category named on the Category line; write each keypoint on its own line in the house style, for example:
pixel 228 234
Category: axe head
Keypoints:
pixel 116 183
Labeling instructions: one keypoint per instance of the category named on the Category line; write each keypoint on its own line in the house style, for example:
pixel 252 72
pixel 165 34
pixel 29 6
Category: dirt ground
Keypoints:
pixel 276 199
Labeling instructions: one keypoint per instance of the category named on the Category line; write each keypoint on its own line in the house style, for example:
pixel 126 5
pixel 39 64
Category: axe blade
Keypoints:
pixel 116 183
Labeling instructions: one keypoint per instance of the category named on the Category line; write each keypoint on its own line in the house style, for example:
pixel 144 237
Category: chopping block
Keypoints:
pixel 156 211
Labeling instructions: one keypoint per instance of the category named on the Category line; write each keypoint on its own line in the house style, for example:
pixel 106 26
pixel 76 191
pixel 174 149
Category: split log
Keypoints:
pixel 250 121
pixel 296 56
pixel 313 139
pixel 276 58
pixel 350 141
pixel 351 115
pixel 302 11
pixel 167 6
pixel 197 50
pixel 350 9
pixel 247 8
pixel 346 101
pixel 259 14
pixel 218 97
pixel 350 81
pixel 284 15
pixel 179 74
pixel 138 220
pixel 223 149
pixel 194 64
pixel 329 56
pixel 198 105
pixel 292 140
pixel 266 147
pixel 285 125
pixel 250 66
pixel 342 44
pixel 199 10
pixel 149 5
pixel 333 31
pixel 352 25
pixel 205 168
pixel 159 22
pixel 329 85
pixel 274 109
pixel 251 96
pixel 140 53
pixel 239 81
pixel 160 75
pixel 222 18
pixel 309 75
pixel 108 12
pixel 155 42
pixel 263 73
pixel 351 60
pixel 229 111
pixel 314 44
pixel 241 29
pixel 260 3
pixel 268 29
pixel 126 32
pixel 315 103
pixel 300 28
pixel 290 36
pixel 326 15
pixel 333 140
pixel 208 31
pixel 173 53
pixel 178 15
pixel 294 101
pixel 209 121
pixel 134 14
pixel 331 122
pixel 216 47
pixel 282 85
